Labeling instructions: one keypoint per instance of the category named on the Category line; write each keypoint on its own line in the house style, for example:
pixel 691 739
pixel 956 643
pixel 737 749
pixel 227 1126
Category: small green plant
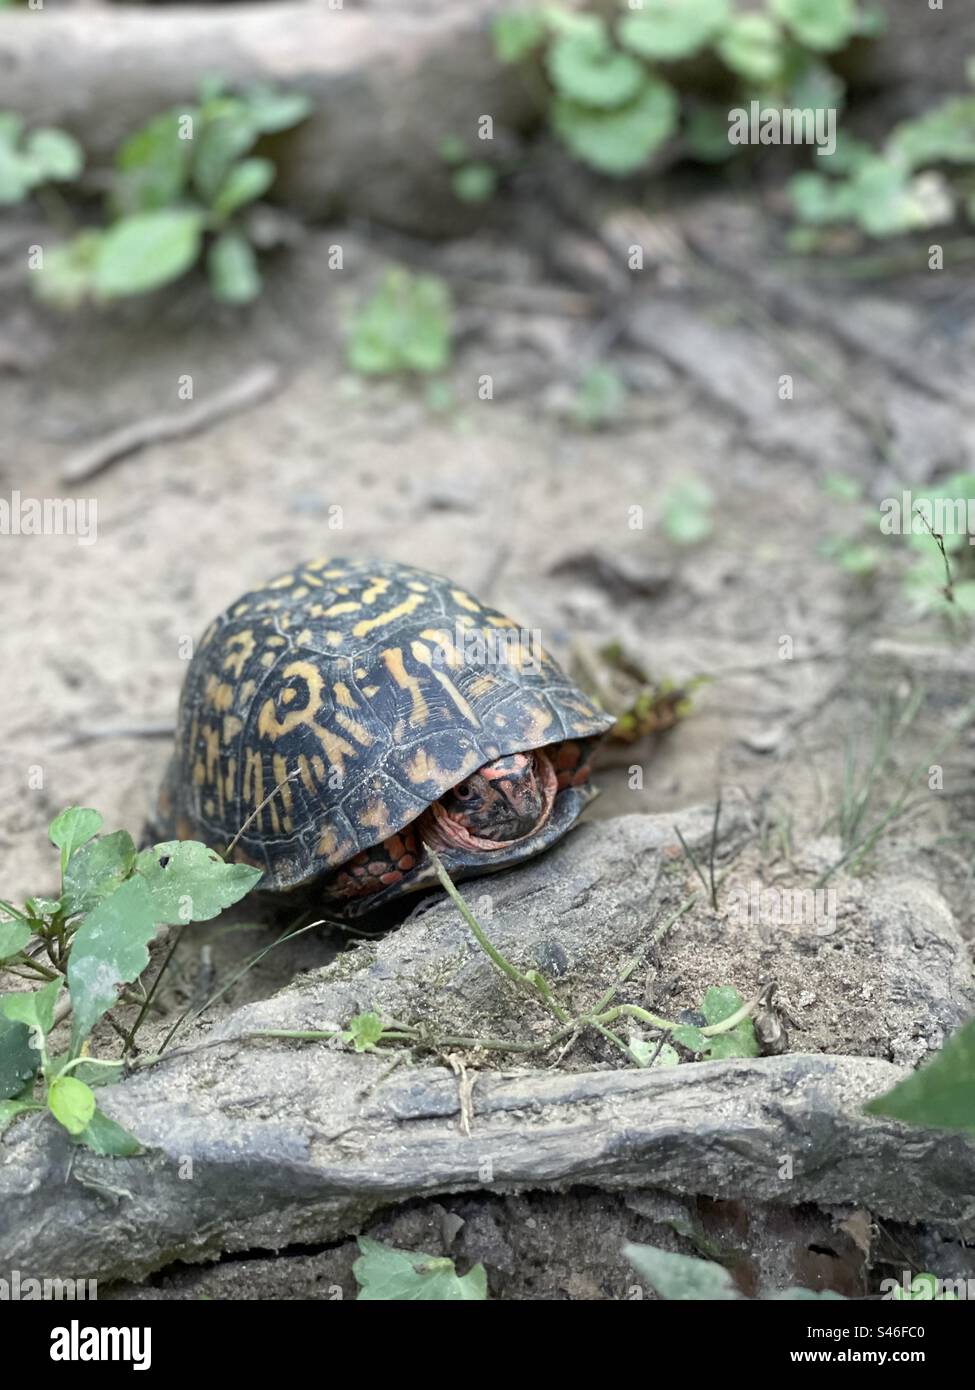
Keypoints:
pixel 179 189
pixel 404 1276
pixel 600 399
pixel 688 511
pixel 615 100
pixel 918 178
pixel 403 327
pixel 93 940
pixel 940 577
pixel 29 161
pixel 727 1030
pixel 472 180
pixel 683 1277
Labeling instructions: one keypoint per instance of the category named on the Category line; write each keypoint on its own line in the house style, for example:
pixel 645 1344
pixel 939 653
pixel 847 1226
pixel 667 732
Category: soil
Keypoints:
pixel 809 670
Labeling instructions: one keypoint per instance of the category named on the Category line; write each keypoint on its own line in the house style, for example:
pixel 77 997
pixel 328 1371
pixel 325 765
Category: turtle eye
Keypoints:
pixel 464 791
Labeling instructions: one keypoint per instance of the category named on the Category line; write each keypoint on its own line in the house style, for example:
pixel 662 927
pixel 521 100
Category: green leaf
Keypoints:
pixel 843 487
pixel 10 1109
pixel 887 202
pixel 153 165
pixel 680 1276
pixel 189 882
pixel 232 269
pixel 104 1136
pixel 517 33
pixel 402 1276
pixel 619 142
pixel 687 514
pixel 646 1054
pixel 245 182
pixel 601 398
pixel 587 68
pixel 671 29
pixel 751 46
pixel 109 949
pixel 71 1102
pixel 819 200
pixel 720 1003
pixel 149 249
pixel 65 278
pixel 857 557
pixel 690 1037
pixel 364 1031
pixel 73 827
pixel 272 110
pixel 33 1008
pixel 706 134
pixel 19 1060
pixel 942 1094
pixel 823 25
pixel 474 183
pixel 14 936
pixel 945 134
pixel 96 870
pixel 54 155
pixel 226 135
pixel 404 326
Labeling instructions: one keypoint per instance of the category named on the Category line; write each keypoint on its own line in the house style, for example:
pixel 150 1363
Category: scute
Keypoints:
pixel 360 690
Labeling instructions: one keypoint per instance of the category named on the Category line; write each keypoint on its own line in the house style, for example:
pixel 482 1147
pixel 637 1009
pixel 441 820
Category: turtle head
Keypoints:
pixel 504 800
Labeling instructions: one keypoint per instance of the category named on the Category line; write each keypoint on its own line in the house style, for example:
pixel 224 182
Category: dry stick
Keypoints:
pixel 257 811
pixel 714 841
pixel 949 589
pixel 252 387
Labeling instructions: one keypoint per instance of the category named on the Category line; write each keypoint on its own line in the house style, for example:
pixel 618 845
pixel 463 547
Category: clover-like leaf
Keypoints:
pixel 751 45
pixel 671 29
pixel 823 25
pixel 517 33
pixel 588 68
pixel 621 141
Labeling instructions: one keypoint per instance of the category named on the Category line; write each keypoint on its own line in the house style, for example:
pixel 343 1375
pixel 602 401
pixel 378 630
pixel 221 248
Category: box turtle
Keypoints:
pixel 352 711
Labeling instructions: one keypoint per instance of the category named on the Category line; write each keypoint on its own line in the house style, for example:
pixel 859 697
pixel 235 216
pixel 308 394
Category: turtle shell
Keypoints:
pixel 330 708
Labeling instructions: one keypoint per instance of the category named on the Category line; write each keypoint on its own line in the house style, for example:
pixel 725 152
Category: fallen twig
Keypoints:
pixel 252 387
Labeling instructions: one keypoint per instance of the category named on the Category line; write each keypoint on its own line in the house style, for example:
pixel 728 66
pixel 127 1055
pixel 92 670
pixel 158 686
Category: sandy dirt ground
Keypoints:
pixel 807 666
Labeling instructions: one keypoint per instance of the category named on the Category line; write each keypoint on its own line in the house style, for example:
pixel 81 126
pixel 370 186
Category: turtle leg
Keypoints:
pixel 376 868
